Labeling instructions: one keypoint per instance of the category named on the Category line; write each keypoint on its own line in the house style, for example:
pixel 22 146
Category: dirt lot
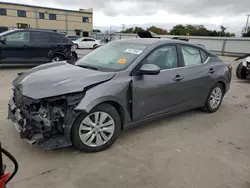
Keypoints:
pixel 193 149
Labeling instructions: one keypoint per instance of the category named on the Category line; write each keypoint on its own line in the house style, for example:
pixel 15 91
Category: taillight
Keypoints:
pixel 230 67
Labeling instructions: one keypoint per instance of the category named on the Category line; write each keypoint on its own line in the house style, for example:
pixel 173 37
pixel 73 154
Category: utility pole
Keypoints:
pixel 110 29
pixel 246 28
pixel 123 27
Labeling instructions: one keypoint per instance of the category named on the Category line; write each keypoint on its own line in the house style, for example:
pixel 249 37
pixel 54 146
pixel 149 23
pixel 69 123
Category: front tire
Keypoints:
pixel 241 71
pixel 97 130
pixel 214 98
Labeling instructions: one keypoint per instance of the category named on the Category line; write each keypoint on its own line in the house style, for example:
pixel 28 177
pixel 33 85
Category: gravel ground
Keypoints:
pixel 189 150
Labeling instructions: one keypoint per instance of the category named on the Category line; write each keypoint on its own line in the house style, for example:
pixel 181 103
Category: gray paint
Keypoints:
pixel 58 79
pixel 140 97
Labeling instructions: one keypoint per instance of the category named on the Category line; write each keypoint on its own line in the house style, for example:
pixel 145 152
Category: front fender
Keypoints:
pixel 116 90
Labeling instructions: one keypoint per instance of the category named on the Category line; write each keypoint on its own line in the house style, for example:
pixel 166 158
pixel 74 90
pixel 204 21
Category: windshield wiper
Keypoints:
pixel 88 67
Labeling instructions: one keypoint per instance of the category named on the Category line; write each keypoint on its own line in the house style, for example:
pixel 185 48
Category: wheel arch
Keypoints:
pixel 60 54
pixel 118 108
pixel 223 85
pixel 111 101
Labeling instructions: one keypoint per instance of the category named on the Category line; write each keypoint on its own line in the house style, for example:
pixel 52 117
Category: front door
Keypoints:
pixel 158 94
pixel 16 48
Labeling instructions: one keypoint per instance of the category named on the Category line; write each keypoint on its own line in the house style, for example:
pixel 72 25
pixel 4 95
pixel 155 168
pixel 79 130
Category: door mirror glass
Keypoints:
pixel 3 40
pixel 150 69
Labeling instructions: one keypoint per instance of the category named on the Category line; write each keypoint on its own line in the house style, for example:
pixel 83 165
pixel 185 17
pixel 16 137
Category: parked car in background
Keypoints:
pixel 73 37
pixel 34 47
pixel 86 42
pixel 124 82
pixel 243 69
pixel 3 29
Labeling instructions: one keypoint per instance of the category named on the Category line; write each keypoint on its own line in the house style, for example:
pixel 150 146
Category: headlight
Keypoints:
pixel 248 64
pixel 73 48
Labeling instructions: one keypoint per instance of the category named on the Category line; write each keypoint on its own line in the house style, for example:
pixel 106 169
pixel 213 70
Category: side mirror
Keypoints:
pixel 3 40
pixel 150 69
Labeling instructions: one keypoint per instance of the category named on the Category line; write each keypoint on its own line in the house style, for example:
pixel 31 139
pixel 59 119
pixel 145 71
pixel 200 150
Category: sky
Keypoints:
pixel 162 13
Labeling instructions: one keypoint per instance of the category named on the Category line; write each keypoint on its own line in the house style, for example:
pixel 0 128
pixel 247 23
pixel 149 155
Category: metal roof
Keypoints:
pixel 33 6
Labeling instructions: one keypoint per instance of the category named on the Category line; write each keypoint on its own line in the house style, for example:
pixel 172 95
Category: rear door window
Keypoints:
pixel 40 37
pixel 191 55
pixel 92 40
pixel 204 56
pixel 57 38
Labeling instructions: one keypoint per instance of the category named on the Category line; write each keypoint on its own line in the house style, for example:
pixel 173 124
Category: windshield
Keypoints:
pixel 114 56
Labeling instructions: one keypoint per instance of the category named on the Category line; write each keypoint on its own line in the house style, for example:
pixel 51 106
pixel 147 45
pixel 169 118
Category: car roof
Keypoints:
pixel 152 41
pixel 40 30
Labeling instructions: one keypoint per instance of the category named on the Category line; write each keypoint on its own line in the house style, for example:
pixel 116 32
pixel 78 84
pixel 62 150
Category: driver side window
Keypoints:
pixel 164 57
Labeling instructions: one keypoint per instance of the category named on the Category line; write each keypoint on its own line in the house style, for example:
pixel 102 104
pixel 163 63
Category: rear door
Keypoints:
pixel 41 45
pixel 82 43
pixel 16 49
pixel 90 43
pixel 197 75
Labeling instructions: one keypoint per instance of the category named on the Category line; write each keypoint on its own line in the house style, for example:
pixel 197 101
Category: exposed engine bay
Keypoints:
pixel 45 119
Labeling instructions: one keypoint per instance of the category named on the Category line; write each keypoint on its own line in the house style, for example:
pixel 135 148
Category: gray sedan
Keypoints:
pixel 124 82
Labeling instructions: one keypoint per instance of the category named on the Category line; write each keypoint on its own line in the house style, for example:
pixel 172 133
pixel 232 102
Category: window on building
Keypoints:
pixel 191 55
pixel 41 15
pixel 52 16
pixel 85 34
pixel 3 12
pixel 22 37
pixel 21 13
pixel 85 19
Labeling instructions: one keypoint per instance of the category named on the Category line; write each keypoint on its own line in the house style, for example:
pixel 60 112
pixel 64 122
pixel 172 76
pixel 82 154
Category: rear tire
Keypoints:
pixel 241 71
pixel 57 58
pixel 89 132
pixel 214 99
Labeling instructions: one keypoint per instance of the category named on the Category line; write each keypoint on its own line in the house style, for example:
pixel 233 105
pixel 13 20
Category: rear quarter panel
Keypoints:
pixel 222 72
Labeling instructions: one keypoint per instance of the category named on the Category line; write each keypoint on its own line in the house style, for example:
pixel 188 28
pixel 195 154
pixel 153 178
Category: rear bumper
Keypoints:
pixel 20 124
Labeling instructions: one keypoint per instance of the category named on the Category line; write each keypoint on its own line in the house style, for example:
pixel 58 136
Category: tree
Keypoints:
pixel 199 30
pixel 133 30
pixel 178 30
pixel 96 31
pixel 223 29
pixel 157 30
pixel 245 32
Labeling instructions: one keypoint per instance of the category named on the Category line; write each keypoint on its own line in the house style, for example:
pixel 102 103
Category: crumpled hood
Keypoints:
pixel 58 78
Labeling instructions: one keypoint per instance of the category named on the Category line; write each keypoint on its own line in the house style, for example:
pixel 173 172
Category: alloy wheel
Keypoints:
pixel 55 59
pixel 96 129
pixel 215 98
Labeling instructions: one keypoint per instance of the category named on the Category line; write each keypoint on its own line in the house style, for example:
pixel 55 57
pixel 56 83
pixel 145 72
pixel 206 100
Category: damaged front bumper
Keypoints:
pixel 26 132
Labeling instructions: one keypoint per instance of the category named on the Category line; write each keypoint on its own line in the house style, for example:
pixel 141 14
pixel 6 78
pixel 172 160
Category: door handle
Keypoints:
pixel 25 45
pixel 211 71
pixel 178 78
